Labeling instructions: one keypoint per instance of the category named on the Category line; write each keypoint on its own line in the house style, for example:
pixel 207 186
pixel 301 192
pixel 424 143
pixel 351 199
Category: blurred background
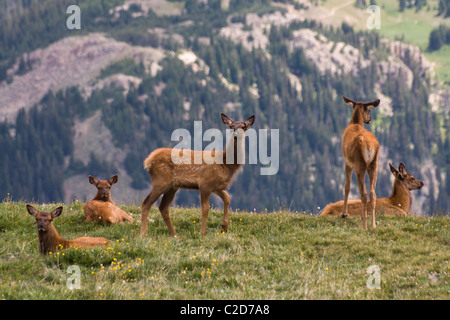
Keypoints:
pixel 97 100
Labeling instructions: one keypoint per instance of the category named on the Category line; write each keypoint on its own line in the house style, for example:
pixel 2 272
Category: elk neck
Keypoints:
pixel 400 196
pixel 100 197
pixel 236 146
pixel 357 117
pixel 50 240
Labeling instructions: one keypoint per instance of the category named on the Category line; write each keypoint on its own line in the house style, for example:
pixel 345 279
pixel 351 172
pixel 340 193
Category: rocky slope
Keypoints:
pixel 78 61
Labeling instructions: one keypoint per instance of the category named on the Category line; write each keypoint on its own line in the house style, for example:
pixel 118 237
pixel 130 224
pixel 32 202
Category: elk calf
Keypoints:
pixel 399 203
pixel 101 208
pixel 167 177
pixel 360 150
pixel 50 240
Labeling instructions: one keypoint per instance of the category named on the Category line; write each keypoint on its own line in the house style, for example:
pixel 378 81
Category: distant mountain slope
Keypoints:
pixel 98 101
pixel 72 61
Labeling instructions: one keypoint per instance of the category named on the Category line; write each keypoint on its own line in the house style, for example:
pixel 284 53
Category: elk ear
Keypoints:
pixel 393 170
pixel 372 104
pixel 226 120
pixel 93 181
pixel 57 212
pixel 32 211
pixel 402 168
pixel 113 179
pixel 250 121
pixel 350 102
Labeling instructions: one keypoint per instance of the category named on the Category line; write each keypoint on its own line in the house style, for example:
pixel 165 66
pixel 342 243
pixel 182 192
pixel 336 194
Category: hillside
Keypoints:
pixel 98 100
pixel 279 255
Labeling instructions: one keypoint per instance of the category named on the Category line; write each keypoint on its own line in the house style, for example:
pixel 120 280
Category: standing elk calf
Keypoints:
pixel 398 204
pixel 167 177
pixel 50 240
pixel 360 150
pixel 101 208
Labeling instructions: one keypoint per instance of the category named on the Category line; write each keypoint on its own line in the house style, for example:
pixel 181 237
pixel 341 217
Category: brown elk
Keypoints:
pixel 101 208
pixel 360 150
pixel 50 240
pixel 167 177
pixel 398 204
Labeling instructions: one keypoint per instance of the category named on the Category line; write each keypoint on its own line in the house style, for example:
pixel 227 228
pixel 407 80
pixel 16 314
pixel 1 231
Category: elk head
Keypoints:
pixel 406 179
pixel 44 219
pixel 361 110
pixel 103 187
pixel 238 127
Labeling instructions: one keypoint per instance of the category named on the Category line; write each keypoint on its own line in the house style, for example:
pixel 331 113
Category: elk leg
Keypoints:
pixel 146 206
pixel 226 202
pixel 348 180
pixel 204 199
pixel 360 175
pixel 164 207
pixel 373 197
pixel 126 217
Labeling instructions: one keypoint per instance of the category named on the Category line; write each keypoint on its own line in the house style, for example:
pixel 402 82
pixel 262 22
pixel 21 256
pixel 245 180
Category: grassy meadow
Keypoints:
pixel 278 255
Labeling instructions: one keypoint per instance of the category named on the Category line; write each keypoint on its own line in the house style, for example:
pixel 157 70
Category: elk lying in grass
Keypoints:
pixel 167 177
pixel 50 240
pixel 101 208
pixel 399 203
pixel 360 150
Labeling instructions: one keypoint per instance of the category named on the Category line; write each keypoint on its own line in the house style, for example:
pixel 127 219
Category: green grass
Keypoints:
pixel 277 255
pixel 411 26
pixel 126 66
pixel 415 28
pixel 414 25
pixel 441 58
